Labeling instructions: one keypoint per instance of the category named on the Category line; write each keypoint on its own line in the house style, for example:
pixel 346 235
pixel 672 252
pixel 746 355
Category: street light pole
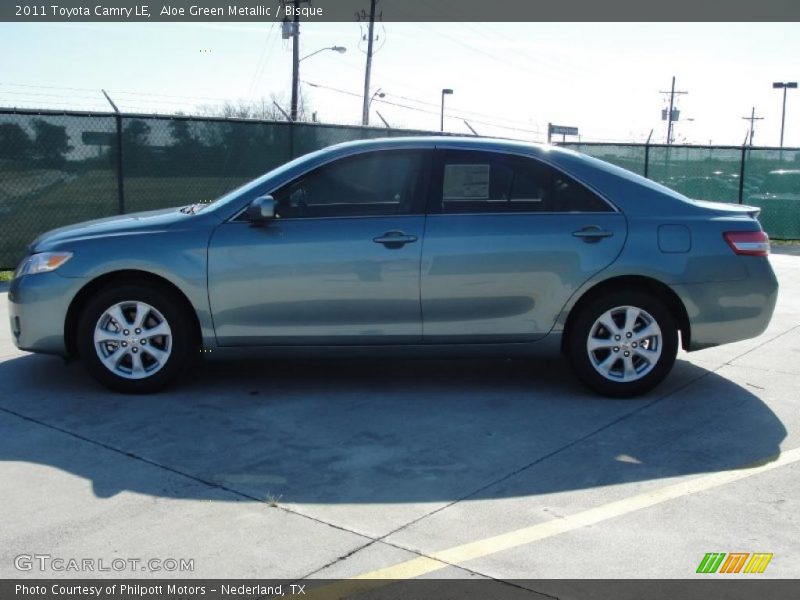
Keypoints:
pixel 339 49
pixel 378 93
pixel 445 92
pixel 785 86
pixel 783 115
pixel 296 62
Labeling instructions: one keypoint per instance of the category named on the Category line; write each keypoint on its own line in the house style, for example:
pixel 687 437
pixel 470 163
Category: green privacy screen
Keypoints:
pixel 765 177
pixel 772 181
pixel 627 156
pixel 177 162
pixel 57 168
pixel 62 168
pixel 49 177
pixel 702 173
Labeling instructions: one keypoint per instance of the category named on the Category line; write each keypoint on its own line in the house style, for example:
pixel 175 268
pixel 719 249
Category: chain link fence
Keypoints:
pixel 765 177
pixel 61 168
pixel 58 168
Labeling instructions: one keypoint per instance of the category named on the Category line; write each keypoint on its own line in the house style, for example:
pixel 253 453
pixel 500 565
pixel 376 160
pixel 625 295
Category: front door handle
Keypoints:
pixel 592 234
pixel 395 239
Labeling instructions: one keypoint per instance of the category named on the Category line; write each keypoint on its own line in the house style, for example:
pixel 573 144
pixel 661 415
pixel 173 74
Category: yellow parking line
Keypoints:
pixel 423 565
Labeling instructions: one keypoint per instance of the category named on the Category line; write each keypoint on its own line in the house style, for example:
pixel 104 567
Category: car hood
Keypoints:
pixel 154 220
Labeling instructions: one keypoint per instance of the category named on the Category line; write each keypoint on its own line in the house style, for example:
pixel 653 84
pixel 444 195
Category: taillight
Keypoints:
pixel 748 243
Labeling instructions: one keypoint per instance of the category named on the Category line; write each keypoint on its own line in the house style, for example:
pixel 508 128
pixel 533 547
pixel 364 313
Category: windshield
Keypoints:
pixel 256 184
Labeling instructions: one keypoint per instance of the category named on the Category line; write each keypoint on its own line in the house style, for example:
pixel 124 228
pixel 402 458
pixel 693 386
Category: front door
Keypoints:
pixel 340 264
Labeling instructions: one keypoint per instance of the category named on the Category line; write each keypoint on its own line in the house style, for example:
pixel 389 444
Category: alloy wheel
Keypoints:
pixel 624 344
pixel 133 340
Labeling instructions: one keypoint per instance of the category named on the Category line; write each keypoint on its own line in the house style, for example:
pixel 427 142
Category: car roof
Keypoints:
pixel 555 155
pixel 449 141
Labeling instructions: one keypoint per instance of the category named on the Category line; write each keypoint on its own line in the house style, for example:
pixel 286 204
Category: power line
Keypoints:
pixel 457 111
pixel 453 113
pixel 262 61
pixel 45 95
pixel 116 91
pixel 50 87
pixel 416 108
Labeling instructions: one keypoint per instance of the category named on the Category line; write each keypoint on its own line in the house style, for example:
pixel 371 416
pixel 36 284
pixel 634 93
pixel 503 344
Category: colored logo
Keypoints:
pixel 735 562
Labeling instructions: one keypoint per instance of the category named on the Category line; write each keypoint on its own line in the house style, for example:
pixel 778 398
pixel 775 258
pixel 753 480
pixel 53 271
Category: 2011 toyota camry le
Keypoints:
pixel 411 247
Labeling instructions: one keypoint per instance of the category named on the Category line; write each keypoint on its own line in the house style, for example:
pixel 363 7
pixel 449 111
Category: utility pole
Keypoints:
pixel 672 93
pixel 295 61
pixel 752 118
pixel 368 70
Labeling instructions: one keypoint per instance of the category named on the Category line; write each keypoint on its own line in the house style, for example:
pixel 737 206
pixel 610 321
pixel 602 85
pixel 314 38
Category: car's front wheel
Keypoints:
pixel 623 344
pixel 134 338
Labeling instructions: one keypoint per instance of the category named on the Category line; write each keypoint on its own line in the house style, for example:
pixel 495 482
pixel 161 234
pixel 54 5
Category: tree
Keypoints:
pixel 263 109
pixel 136 133
pixel 187 155
pixel 50 143
pixel 136 151
pixel 15 144
pixel 181 133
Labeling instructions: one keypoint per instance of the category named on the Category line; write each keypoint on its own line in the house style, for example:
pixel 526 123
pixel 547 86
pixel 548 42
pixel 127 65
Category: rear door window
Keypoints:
pixel 490 182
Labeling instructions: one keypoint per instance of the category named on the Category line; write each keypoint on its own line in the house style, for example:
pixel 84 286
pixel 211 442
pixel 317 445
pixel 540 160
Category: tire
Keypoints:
pixel 114 352
pixel 601 335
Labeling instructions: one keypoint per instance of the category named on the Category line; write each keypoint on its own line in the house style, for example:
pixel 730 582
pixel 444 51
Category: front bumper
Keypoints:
pixel 730 311
pixel 37 308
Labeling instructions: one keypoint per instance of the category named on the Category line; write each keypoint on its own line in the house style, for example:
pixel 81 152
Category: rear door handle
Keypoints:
pixel 395 239
pixel 592 233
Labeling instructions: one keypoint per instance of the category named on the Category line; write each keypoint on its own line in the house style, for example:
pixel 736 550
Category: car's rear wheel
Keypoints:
pixel 623 344
pixel 134 338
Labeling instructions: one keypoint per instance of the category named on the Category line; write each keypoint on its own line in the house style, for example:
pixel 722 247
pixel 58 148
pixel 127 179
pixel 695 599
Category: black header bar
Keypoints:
pixel 255 11
pixel 702 588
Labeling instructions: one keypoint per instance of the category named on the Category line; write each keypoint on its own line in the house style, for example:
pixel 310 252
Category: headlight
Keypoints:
pixel 42 263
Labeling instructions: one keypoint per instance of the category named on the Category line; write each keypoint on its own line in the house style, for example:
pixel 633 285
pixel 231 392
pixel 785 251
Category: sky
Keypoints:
pixel 509 79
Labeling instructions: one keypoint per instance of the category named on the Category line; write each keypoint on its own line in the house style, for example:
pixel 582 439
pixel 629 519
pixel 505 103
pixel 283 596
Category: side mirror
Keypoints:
pixel 262 209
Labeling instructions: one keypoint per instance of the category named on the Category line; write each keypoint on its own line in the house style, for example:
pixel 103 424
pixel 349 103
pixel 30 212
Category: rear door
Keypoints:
pixel 508 239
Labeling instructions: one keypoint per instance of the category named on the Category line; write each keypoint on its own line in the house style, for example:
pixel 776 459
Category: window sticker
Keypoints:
pixel 466 182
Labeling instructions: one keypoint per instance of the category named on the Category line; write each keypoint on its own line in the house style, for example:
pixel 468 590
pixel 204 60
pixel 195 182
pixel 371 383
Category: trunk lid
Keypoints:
pixel 724 209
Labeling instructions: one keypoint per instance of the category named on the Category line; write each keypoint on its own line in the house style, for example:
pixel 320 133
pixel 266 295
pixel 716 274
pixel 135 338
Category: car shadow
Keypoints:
pixel 358 432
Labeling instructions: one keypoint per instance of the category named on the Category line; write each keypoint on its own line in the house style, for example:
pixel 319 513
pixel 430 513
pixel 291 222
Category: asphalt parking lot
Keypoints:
pixel 500 469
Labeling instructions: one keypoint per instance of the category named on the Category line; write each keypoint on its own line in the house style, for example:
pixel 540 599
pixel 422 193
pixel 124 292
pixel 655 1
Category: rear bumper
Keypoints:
pixel 37 308
pixel 730 311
